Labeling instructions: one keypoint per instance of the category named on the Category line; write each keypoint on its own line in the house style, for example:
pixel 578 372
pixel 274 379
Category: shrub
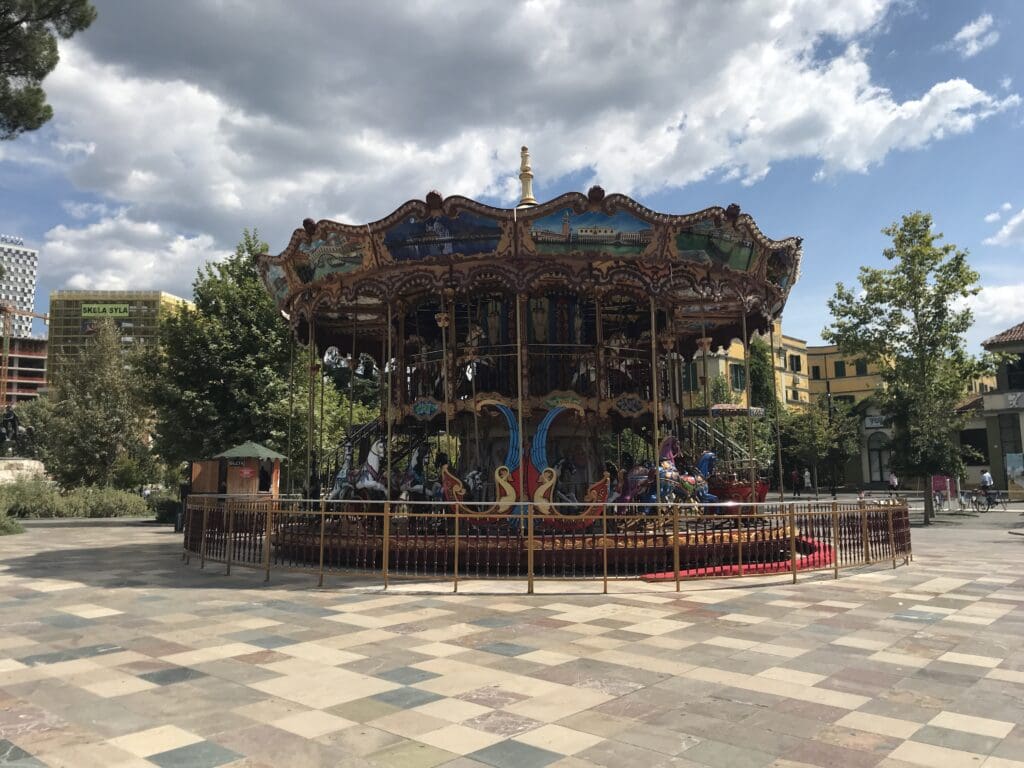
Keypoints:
pixel 105 502
pixel 31 497
pixel 9 525
pixel 38 498
pixel 164 506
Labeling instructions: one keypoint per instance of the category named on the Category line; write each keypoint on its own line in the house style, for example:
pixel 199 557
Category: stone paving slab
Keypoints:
pixel 115 653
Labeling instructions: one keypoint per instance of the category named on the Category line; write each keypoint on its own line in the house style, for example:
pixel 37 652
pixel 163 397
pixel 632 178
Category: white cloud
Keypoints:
pixel 1005 207
pixel 995 308
pixel 183 124
pixel 1011 233
pixel 975 37
pixel 121 253
pixel 991 218
pixel 1006 83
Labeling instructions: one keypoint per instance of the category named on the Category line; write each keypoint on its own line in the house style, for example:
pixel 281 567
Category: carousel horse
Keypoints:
pixel 564 469
pixel 344 482
pixel 617 366
pixel 425 374
pixel 370 474
pixel 475 365
pixel 414 483
pixel 705 468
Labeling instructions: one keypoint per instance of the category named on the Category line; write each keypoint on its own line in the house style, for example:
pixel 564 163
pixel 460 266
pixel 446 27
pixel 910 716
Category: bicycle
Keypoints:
pixel 984 500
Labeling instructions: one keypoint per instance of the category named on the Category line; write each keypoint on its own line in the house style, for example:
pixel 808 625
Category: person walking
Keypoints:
pixel 894 482
pixel 794 479
pixel 808 484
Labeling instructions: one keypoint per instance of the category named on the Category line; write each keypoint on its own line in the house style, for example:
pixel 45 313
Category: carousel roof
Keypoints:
pixel 715 262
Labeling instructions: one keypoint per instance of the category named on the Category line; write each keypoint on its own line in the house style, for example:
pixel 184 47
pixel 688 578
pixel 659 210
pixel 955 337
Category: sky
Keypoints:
pixel 179 124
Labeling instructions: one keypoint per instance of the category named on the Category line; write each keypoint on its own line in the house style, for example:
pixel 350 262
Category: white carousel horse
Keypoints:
pixel 370 474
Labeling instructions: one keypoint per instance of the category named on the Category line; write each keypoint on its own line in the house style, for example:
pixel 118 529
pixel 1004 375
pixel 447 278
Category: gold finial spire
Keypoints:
pixel 526 178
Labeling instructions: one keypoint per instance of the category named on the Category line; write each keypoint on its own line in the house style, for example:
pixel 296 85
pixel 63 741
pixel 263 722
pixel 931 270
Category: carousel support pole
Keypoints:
pixel 321 461
pixel 352 364
pixel 444 319
pixel 310 407
pixel 387 502
pixel 522 450
pixel 388 393
pixel 291 405
pixel 750 417
pixel 385 555
pixel 705 346
pixel 778 416
pixel 656 399
pixel 600 373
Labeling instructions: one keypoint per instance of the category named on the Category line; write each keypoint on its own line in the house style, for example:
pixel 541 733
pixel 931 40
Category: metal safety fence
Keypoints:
pixel 388 540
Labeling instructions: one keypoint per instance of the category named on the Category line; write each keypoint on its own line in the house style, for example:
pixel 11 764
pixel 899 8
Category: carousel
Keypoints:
pixel 543 370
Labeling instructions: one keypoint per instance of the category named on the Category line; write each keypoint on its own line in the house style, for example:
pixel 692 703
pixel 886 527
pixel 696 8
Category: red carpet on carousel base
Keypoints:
pixel 816 555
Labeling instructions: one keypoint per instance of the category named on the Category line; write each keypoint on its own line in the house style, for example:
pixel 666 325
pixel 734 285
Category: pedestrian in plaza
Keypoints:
pixel 894 482
pixel 808 483
pixel 794 480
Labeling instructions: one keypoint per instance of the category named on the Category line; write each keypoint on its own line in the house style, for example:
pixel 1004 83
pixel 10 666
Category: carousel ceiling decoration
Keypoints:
pixel 715 262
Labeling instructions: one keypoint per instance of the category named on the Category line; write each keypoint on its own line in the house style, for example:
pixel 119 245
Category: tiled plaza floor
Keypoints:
pixel 115 654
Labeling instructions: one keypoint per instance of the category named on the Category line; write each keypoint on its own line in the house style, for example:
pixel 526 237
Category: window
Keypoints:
pixel 737 377
pixel 1009 433
pixel 794 395
pixel 1015 373
pixel 861 367
pixel 794 362
pixel 974 446
pixel 689 375
pixel 845 399
pixel 840 368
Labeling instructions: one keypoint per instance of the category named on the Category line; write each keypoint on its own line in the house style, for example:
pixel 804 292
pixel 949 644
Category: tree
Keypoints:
pixel 821 432
pixel 28 53
pixel 910 319
pixel 223 365
pixel 289 425
pixel 762 390
pixel 95 430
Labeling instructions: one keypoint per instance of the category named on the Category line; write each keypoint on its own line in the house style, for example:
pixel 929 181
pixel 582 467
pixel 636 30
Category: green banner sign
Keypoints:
pixel 105 310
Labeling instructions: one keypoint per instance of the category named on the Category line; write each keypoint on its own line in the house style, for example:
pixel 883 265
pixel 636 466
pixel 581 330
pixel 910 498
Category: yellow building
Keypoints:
pixel 74 315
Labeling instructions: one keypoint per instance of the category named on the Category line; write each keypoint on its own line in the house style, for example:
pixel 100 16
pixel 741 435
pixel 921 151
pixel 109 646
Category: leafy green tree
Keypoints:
pixel 96 427
pixel 28 53
pixel 762 391
pixel 910 319
pixel 820 432
pixel 222 366
pixel 289 425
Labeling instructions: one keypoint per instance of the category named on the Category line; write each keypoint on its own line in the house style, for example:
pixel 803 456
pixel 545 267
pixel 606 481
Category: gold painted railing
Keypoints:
pixel 424 540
